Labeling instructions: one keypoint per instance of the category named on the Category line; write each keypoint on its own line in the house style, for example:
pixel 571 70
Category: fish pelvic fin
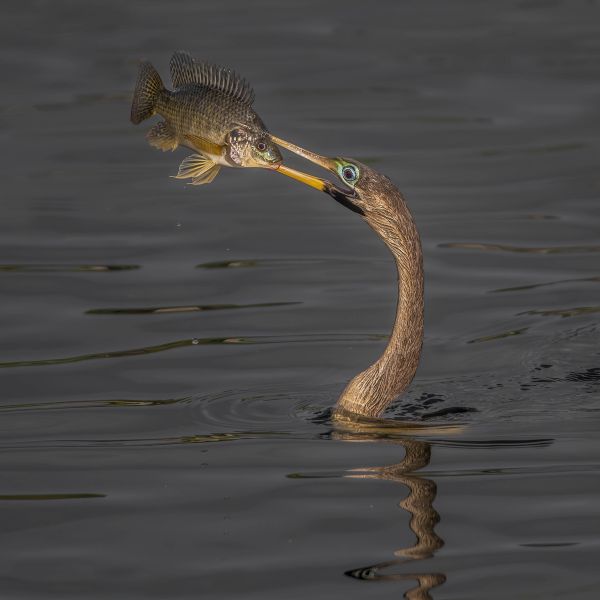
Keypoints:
pixel 206 177
pixel 186 71
pixel 198 168
pixel 148 88
pixel 163 137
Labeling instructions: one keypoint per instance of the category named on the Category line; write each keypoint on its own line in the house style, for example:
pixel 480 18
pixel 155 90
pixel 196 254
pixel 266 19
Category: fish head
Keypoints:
pixel 252 148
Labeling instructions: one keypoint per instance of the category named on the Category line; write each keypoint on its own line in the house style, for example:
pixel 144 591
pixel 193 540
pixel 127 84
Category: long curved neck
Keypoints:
pixel 370 392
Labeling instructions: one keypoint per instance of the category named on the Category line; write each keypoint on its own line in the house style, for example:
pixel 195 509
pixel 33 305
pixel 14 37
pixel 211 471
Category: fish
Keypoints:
pixel 209 110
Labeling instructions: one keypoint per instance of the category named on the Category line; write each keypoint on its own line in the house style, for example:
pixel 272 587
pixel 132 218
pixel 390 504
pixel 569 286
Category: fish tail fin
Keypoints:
pixel 148 88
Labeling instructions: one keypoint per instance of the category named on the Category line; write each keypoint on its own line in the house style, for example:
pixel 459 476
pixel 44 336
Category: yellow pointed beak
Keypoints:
pixel 311 180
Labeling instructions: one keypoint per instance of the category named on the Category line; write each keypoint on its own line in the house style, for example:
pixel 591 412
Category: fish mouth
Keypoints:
pixel 343 195
pixel 272 159
pixel 275 163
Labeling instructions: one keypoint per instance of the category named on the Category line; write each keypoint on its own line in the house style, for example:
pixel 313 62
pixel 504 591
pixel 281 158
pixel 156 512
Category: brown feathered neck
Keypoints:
pixel 370 392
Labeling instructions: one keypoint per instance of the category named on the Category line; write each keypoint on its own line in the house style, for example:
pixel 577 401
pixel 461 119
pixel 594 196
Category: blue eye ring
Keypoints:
pixel 348 173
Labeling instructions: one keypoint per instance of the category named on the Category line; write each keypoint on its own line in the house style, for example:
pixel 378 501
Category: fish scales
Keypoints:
pixel 205 112
pixel 210 111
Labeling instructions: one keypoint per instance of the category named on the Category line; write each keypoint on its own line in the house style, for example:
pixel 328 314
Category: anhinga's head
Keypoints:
pixel 363 190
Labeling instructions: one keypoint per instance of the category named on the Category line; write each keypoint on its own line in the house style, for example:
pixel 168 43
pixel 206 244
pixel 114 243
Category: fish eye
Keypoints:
pixel 349 173
pixel 261 146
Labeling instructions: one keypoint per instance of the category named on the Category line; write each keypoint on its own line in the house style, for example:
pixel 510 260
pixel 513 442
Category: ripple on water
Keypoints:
pixel 266 339
pixel 65 268
pixel 272 410
pixel 435 410
pixel 250 263
pixel 520 249
pixel 284 262
pixel 564 312
pixel 162 310
pixel 531 286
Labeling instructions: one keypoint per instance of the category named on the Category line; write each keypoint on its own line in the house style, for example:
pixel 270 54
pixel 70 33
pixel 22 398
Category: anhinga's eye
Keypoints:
pixel 261 146
pixel 349 173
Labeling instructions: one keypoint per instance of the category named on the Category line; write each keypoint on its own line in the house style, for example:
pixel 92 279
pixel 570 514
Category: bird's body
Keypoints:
pixel 382 206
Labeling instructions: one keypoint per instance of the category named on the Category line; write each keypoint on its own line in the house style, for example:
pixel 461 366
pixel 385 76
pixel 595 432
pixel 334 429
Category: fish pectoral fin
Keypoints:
pixel 163 137
pixel 204 145
pixel 199 168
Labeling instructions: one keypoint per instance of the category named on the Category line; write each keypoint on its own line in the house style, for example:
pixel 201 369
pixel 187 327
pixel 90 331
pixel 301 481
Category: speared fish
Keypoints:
pixel 210 111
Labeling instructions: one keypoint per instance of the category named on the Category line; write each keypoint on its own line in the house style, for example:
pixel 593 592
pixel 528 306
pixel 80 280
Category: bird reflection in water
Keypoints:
pixel 421 490
pixel 418 503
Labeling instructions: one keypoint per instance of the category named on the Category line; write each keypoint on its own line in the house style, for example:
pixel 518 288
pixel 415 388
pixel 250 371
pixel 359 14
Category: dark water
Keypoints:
pixel 168 353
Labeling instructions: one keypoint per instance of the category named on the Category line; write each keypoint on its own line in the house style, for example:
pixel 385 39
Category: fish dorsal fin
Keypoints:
pixel 185 71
